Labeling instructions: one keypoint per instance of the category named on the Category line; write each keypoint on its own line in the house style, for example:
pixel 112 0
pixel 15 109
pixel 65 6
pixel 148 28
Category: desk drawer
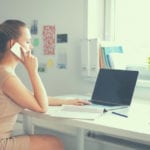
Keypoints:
pixel 107 142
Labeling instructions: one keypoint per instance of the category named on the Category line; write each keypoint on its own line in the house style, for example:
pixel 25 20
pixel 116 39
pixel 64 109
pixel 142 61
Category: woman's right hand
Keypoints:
pixel 29 61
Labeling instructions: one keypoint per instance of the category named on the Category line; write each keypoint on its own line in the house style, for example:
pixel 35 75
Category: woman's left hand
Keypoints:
pixel 76 102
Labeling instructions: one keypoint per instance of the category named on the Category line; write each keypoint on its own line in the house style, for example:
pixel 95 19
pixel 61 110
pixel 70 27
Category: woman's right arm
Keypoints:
pixel 15 89
pixel 18 93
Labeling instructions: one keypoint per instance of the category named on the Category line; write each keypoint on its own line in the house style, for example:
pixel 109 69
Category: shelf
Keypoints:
pixel 143 83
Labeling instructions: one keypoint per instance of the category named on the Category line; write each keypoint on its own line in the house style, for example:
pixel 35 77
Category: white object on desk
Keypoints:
pixel 78 112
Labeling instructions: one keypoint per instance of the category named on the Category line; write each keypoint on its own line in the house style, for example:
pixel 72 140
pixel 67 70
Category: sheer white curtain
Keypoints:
pixel 132 28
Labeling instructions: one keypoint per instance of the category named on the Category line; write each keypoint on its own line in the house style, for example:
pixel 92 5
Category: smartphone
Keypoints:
pixel 16 49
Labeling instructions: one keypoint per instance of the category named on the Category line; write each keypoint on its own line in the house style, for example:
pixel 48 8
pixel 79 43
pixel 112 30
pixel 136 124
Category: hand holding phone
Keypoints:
pixel 16 49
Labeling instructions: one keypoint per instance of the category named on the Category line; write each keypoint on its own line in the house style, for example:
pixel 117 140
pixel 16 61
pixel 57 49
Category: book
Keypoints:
pixel 108 48
pixel 118 60
pixel 101 59
pixel 78 112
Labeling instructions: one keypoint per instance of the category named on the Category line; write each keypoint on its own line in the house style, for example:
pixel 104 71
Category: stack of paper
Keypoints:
pixel 78 112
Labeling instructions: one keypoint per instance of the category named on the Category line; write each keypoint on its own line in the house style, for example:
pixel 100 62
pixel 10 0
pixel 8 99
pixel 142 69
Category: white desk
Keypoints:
pixel 135 128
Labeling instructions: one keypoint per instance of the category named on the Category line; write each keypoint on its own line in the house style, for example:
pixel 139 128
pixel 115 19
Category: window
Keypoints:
pixel 132 27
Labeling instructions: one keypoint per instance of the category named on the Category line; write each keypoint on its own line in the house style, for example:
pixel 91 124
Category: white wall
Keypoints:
pixel 69 17
pixel 95 19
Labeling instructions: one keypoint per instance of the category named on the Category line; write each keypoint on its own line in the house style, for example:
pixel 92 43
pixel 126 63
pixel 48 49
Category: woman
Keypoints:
pixel 14 96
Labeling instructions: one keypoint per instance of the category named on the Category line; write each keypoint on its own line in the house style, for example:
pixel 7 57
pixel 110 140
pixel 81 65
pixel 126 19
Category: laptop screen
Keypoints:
pixel 114 87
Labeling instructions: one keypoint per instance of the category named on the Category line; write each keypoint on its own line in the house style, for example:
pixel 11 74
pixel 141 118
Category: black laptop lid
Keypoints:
pixel 114 87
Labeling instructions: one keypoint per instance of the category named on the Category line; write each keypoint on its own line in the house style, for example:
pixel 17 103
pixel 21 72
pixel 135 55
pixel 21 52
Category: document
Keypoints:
pixel 78 112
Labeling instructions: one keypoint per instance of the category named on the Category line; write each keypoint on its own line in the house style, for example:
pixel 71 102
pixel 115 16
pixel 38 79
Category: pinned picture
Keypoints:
pixel 49 39
pixel 42 67
pixel 34 27
pixel 50 63
pixel 62 38
pixel 36 42
pixel 62 60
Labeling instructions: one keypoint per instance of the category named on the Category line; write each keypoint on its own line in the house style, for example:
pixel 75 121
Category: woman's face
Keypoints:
pixel 25 38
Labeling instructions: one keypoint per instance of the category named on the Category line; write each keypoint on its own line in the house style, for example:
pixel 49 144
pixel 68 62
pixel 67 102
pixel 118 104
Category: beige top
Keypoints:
pixel 8 109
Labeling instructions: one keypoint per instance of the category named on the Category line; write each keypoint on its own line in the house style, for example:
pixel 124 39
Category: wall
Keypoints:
pixel 95 19
pixel 68 16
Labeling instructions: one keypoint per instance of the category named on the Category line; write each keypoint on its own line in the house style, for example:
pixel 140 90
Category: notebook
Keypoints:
pixel 114 88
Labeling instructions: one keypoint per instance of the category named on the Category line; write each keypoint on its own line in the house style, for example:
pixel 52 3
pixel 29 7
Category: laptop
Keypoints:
pixel 114 88
pixel 113 91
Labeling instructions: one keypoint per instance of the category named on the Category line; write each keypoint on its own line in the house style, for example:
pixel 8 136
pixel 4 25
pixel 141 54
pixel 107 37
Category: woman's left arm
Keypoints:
pixel 58 102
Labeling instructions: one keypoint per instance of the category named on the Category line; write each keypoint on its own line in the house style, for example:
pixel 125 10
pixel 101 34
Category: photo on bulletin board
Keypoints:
pixel 42 67
pixel 62 38
pixel 35 42
pixel 50 63
pixel 34 27
pixel 62 60
pixel 49 39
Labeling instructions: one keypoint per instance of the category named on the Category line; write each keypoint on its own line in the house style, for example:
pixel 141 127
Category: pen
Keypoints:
pixel 119 114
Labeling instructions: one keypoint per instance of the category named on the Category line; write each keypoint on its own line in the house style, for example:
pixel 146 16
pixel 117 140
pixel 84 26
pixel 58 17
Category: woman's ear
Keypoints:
pixel 11 43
